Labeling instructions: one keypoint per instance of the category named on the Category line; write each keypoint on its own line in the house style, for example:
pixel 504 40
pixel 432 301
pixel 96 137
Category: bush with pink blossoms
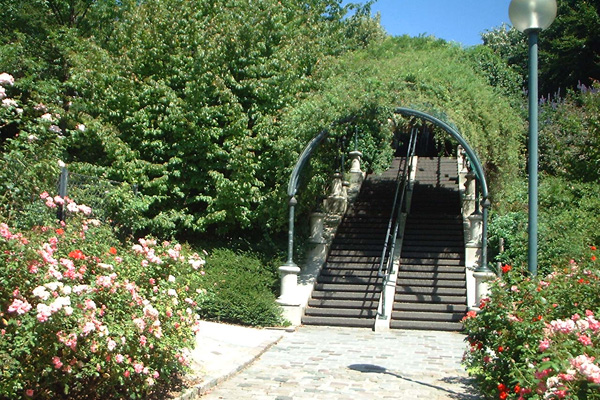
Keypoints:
pixel 83 316
pixel 539 338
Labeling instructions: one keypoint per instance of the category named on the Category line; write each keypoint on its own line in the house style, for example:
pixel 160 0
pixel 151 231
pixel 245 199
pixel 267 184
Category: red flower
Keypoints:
pixel 502 387
pixel 517 388
pixel 593 248
pixel 77 255
pixel 506 268
pixel 503 395
pixel 60 231
pixel 112 251
pixel 500 349
pixel 470 314
pixel 593 258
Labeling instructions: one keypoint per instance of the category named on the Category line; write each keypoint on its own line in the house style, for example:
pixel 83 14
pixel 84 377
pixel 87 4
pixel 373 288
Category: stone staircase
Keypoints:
pixel 430 288
pixel 348 289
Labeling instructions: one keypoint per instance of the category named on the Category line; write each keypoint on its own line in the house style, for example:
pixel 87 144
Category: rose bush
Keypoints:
pixel 82 316
pixel 538 338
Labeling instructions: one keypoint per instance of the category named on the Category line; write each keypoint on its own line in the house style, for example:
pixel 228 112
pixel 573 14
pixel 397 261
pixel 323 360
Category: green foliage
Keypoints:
pixel 239 289
pixel 568 220
pixel 501 76
pixel 570 135
pixel 196 107
pixel 206 106
pixel 537 339
pixel 429 75
pixel 569 48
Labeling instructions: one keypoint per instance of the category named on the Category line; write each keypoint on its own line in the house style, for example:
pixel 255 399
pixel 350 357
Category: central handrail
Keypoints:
pixel 402 182
pixel 397 207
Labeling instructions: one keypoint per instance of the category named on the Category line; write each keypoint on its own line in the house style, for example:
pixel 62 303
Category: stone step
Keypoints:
pixel 431 307
pixel 359 240
pixel 351 280
pixel 431 291
pixel 359 288
pixel 404 274
pixel 339 321
pixel 408 270
pixel 355 253
pixel 435 262
pixel 349 273
pixel 367 296
pixel 357 246
pixel 429 298
pixel 345 259
pixel 342 303
pixel 419 255
pixel 437 283
pixel 427 316
pixel 342 312
pixel 426 325
pixel 431 249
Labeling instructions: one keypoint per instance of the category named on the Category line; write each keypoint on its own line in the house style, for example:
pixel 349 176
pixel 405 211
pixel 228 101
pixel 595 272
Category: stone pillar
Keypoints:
pixel 475 228
pixel 336 202
pixel 473 257
pixel 355 162
pixel 469 197
pixel 316 228
pixel 462 160
pixel 356 175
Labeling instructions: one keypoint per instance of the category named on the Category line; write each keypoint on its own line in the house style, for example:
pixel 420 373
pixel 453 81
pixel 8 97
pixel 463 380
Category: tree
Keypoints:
pixel 569 48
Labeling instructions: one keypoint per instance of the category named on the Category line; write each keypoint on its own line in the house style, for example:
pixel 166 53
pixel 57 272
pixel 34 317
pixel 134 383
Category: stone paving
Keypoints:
pixel 349 364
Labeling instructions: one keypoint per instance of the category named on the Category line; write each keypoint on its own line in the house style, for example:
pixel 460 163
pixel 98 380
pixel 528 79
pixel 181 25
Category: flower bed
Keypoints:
pixel 82 316
pixel 538 338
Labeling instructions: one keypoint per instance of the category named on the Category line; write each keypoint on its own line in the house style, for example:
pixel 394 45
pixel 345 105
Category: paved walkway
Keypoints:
pixel 345 363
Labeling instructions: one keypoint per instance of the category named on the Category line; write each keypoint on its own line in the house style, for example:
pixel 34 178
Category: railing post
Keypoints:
pixel 316 228
pixel 63 182
pixel 289 271
pixel 336 202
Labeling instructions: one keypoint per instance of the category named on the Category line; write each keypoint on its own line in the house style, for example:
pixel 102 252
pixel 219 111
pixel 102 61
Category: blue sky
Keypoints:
pixel 460 21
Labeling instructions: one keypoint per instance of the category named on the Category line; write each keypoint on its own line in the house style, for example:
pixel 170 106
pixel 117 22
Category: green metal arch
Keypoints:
pixel 472 156
pixel 475 163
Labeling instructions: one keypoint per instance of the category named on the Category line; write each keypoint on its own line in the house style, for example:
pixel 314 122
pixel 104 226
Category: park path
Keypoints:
pixel 317 362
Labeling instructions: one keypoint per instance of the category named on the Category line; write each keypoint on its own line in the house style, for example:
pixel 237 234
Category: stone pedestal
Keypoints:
pixel 472 262
pixel 289 284
pixel 482 287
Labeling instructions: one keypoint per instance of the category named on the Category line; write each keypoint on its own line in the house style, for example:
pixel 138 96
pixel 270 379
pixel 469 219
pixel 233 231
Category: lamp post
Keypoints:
pixel 530 17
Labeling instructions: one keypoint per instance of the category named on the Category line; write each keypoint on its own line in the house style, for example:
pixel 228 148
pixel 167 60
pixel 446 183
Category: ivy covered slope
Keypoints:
pixel 471 89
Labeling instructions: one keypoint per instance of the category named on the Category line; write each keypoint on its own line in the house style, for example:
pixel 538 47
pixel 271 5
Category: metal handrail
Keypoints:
pixel 397 205
pixel 396 213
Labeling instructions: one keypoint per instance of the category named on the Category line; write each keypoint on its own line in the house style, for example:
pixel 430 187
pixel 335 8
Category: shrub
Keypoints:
pixel 568 216
pixel 85 317
pixel 538 338
pixel 240 290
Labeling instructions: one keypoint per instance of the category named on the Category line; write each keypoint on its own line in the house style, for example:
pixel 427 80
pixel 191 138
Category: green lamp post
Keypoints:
pixel 530 17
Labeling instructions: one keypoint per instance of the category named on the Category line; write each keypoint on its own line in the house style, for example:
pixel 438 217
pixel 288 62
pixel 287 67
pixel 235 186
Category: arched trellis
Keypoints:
pixel 408 112
pixel 475 163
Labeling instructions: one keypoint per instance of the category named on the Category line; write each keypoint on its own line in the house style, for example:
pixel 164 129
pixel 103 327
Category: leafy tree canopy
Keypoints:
pixel 569 48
